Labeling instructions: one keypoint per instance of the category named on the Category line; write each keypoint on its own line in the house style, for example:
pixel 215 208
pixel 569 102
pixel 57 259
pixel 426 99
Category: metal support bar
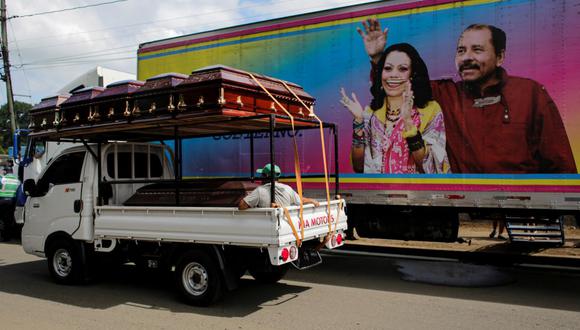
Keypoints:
pixel 252 169
pixel 100 200
pixel 272 163
pixel 89 149
pixel 177 163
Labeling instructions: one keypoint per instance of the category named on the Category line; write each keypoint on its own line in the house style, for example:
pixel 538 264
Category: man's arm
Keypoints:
pixel 306 200
pixel 251 200
pixel 243 205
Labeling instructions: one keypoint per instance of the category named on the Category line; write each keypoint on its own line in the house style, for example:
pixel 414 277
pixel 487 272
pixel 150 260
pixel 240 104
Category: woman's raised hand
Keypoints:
pixel 373 38
pixel 353 105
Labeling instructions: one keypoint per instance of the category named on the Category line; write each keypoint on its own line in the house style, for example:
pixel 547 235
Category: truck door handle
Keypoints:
pixel 35 205
pixel 78 206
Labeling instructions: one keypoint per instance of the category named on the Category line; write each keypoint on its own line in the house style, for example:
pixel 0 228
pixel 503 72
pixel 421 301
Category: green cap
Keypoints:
pixel 267 170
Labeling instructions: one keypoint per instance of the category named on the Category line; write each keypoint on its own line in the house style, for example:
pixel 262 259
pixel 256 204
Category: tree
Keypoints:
pixel 21 113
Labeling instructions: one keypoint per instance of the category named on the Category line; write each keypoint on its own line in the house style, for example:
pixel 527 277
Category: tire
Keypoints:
pixel 4 231
pixel 65 263
pixel 269 274
pixel 198 279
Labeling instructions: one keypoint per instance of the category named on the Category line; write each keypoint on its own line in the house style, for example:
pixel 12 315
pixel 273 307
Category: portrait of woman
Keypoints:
pixel 402 130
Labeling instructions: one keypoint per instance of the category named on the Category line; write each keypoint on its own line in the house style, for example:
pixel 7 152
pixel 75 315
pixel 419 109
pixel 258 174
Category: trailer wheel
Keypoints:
pixel 64 262
pixel 198 279
pixel 269 274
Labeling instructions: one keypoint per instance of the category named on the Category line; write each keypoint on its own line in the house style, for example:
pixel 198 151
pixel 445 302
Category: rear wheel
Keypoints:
pixel 198 279
pixel 65 263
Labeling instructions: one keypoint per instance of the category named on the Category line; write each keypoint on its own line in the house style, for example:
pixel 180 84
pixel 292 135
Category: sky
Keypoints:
pixel 48 50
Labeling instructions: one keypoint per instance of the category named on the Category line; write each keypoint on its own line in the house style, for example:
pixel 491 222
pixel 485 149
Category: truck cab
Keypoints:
pixel 68 180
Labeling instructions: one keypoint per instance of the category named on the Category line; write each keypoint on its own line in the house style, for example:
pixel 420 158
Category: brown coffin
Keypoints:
pixel 156 97
pixel 115 102
pixel 46 114
pixel 221 87
pixel 79 108
pixel 197 193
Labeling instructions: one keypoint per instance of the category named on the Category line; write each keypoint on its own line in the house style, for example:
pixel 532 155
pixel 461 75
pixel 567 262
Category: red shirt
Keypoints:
pixel 522 133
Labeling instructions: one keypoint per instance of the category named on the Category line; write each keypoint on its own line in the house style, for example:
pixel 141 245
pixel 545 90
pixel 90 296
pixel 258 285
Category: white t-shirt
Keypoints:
pixel 284 196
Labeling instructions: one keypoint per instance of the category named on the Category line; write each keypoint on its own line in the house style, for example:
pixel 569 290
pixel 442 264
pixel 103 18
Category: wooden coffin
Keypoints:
pixel 221 87
pixel 46 114
pixel 79 107
pixel 115 102
pixel 156 97
pixel 197 193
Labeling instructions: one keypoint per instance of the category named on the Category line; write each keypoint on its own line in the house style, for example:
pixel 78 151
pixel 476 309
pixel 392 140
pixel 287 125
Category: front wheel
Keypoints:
pixel 64 262
pixel 198 279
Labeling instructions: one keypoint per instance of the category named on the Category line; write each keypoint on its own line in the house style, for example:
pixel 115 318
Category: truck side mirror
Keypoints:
pixel 29 187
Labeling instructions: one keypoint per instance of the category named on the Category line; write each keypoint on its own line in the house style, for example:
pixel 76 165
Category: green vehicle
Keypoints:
pixel 9 185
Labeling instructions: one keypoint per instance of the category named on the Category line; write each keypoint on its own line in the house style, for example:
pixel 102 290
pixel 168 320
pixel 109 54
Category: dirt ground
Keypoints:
pixel 475 235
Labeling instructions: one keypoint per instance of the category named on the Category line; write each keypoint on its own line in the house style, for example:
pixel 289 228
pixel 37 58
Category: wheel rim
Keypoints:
pixel 62 262
pixel 195 279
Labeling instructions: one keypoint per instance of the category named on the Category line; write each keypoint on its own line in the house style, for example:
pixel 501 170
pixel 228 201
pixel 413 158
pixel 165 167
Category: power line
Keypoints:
pixel 246 19
pixel 73 59
pixel 90 57
pixel 133 45
pixel 20 58
pixel 74 63
pixel 106 52
pixel 66 9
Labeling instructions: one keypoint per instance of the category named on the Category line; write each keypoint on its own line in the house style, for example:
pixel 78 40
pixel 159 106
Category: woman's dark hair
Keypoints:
pixel 419 77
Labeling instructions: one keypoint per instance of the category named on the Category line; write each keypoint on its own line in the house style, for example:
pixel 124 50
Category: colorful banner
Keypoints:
pixel 324 53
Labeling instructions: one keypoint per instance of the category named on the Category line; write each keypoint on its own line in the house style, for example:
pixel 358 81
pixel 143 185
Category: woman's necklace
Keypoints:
pixel 393 115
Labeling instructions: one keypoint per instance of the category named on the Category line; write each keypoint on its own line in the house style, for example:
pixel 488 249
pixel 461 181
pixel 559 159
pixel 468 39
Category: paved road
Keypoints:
pixel 343 293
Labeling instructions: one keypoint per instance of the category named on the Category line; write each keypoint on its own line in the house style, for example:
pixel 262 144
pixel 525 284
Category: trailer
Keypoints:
pixel 323 52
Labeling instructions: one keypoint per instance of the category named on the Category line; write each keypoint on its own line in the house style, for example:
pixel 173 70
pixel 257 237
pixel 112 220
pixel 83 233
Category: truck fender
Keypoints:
pixel 84 252
pixel 59 235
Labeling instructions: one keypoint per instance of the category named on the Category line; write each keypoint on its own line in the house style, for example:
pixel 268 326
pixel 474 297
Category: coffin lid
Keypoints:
pixel 50 102
pixel 243 79
pixel 82 96
pixel 162 82
pixel 120 88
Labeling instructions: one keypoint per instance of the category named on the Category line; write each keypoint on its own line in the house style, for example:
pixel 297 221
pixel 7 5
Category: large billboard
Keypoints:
pixel 483 128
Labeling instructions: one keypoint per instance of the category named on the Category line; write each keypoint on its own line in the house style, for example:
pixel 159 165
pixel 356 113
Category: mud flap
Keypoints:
pixel 229 276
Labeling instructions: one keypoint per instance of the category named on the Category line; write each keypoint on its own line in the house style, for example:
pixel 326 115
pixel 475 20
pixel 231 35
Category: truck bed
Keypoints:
pixel 215 225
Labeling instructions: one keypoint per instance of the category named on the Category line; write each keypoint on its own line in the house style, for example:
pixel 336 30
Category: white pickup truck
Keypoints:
pixel 208 247
pixel 117 192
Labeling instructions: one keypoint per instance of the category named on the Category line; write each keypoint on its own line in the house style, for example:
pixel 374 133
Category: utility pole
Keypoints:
pixel 7 78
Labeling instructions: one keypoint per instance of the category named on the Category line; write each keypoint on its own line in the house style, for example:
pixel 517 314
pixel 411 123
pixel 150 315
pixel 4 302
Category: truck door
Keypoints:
pixel 57 203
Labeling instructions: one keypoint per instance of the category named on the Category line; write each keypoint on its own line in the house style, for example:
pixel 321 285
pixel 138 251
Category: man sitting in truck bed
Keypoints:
pixel 284 194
